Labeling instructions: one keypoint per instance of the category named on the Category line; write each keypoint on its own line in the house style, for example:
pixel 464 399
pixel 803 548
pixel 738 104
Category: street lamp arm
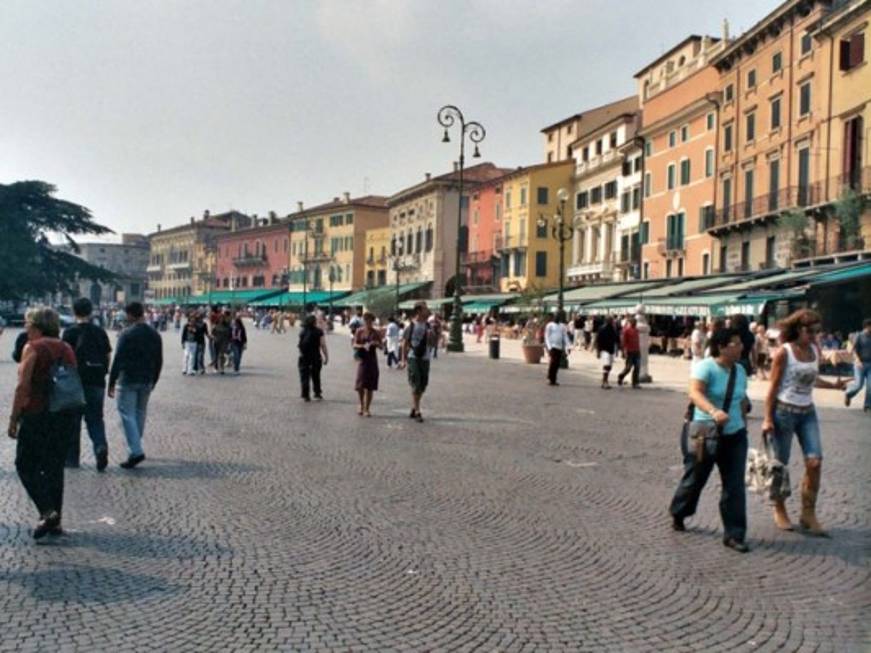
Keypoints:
pixel 475 130
pixel 448 115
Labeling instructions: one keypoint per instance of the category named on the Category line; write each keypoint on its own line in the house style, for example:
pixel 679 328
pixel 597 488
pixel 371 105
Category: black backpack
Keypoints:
pixel 91 353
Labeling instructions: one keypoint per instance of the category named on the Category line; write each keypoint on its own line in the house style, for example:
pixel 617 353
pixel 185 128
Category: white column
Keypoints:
pixel 576 247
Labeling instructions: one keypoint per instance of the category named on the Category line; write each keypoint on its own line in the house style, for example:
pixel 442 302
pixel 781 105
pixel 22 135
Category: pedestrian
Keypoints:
pixel 718 390
pixel 312 356
pixel 135 370
pixel 748 342
pixel 43 436
pixel 789 410
pixel 391 338
pixel 92 349
pixel 861 367
pixel 221 340
pixel 698 341
pixel 238 341
pixel 606 347
pixel 556 343
pixel 203 338
pixel 588 332
pixel 356 322
pixel 632 352
pixel 214 318
pixel 189 345
pixel 417 340
pixel 762 352
pixel 367 342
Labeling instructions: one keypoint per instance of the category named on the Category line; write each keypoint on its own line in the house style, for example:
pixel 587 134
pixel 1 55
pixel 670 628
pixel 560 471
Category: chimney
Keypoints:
pixel 254 221
pixel 346 197
pixel 299 206
pixel 456 166
pixel 193 219
pixel 428 176
pixel 273 219
pixel 725 30
pixel 233 223
pixel 335 199
pixel 206 214
pixel 158 227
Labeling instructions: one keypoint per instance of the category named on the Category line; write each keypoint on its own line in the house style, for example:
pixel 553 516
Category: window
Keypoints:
pixel 728 93
pixel 750 127
pixel 776 62
pixel 644 233
pixel 550 157
pixel 636 164
pixel 596 195
pixel 709 162
pixel 804 99
pixel 672 138
pixel 684 133
pixel 684 172
pixel 709 121
pixel 727 196
pixel 706 264
pixel 706 217
pixel 668 269
pixel 612 140
pixel 751 78
pixel 646 271
pixel 852 153
pixel 349 218
pixel 675 225
pixel 670 176
pixel 519 263
pixel 626 168
pixel 611 190
pixel 625 200
pixel 507 199
pixel 582 200
pixel 775 113
pixel 523 197
pixel 724 254
pixel 748 193
pixel 598 147
pixel 745 255
pixel 409 243
pixel 541 195
pixel 648 183
pixel 727 138
pixel 418 240
pixel 648 148
pixel 852 51
pixel 636 198
pixel 804 161
pixel 770 243
pixel 773 184
pixel 806 43
pixel 541 264
pixel 336 220
pixel 585 153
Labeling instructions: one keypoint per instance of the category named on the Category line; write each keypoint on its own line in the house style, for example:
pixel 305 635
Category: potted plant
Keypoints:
pixel 532 346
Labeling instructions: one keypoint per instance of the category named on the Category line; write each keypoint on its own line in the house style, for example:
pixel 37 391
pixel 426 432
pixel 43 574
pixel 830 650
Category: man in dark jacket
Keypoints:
pixel 606 347
pixel 92 348
pixel 136 369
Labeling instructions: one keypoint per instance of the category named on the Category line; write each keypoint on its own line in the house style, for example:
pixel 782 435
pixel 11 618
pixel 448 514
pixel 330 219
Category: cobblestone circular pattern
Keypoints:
pixel 517 517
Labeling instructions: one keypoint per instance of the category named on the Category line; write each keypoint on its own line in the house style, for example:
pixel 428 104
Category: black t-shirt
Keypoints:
pixel 92 348
pixel 310 342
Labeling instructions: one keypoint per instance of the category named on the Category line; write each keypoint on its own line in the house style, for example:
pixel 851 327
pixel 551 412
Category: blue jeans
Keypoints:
pixel 93 414
pixel 731 460
pixel 236 351
pixel 861 377
pixel 133 407
pixel 806 428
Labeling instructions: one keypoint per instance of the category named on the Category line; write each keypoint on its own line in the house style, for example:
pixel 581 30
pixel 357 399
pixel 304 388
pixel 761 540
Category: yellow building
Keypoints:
pixel 328 242
pixel 377 262
pixel 529 255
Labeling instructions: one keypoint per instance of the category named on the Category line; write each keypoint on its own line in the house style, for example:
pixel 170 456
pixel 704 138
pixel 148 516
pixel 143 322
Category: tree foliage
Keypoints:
pixel 848 210
pixel 29 265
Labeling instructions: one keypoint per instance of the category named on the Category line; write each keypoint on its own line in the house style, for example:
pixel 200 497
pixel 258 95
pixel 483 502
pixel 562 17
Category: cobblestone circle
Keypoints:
pixel 518 517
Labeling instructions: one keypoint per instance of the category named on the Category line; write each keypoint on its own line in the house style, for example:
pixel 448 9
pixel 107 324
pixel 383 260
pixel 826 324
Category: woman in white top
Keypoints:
pixel 789 409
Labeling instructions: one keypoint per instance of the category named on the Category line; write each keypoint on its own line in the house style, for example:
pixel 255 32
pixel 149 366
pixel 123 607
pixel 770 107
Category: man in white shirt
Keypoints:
pixel 698 341
pixel 556 341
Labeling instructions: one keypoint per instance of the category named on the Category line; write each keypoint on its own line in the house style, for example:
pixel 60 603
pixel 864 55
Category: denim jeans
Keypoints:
pixel 861 377
pixel 201 358
pixel 133 407
pixel 731 460
pixel 806 428
pixel 190 358
pixel 236 352
pixel 93 416
pixel 633 361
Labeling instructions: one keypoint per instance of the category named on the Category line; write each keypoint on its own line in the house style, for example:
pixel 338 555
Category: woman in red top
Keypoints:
pixel 43 437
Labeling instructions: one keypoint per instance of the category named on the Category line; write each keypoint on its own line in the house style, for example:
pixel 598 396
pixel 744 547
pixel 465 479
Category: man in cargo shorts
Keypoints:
pixel 417 341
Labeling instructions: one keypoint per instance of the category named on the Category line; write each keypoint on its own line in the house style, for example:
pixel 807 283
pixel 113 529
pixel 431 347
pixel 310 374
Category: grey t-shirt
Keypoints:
pixel 414 334
pixel 863 348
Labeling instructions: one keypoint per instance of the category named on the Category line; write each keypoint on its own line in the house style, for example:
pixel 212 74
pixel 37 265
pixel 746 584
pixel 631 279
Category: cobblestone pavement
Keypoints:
pixel 518 517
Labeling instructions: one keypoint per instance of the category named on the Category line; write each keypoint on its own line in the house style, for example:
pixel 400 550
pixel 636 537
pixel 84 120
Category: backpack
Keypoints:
pixel 91 354
pixel 66 391
pixel 420 348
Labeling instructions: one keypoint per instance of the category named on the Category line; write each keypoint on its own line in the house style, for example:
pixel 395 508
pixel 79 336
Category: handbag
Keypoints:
pixel 705 436
pixel 765 474
pixel 66 391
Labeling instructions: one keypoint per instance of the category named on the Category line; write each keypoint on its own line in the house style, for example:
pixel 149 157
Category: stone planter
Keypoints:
pixel 532 354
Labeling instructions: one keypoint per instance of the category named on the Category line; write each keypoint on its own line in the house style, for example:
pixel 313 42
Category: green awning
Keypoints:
pixel 686 286
pixel 849 273
pixel 574 298
pixel 362 297
pixel 230 296
pixel 297 298
pixel 166 301
pixel 481 302
pixel 771 281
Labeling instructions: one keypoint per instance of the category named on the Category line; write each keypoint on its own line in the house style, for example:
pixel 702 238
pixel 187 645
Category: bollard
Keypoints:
pixel 494 348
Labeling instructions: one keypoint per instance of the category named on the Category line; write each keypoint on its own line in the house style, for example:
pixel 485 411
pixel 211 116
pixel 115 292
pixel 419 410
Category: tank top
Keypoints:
pixel 799 378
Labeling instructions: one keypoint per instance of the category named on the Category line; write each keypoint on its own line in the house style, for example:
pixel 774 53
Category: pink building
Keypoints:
pixel 256 257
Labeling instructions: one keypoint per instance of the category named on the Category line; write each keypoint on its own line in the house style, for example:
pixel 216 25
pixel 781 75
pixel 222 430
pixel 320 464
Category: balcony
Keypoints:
pixel 179 265
pixel 595 162
pixel 250 261
pixel 154 268
pixel 671 246
pixel 316 257
pixel 512 242
pixel 476 259
pixel 601 268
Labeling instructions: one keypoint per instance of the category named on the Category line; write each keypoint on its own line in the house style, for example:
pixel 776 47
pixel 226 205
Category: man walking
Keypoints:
pixel 136 369
pixel 862 365
pixel 417 341
pixel 556 342
pixel 91 346
pixel 632 352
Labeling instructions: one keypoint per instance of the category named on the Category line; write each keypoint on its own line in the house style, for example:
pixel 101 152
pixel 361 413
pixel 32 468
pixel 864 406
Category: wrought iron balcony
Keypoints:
pixel 250 261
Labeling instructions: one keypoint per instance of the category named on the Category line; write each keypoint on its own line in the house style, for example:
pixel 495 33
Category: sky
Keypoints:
pixel 152 112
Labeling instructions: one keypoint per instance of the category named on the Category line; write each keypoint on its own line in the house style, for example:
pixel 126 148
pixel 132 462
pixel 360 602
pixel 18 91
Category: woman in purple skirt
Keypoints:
pixel 367 342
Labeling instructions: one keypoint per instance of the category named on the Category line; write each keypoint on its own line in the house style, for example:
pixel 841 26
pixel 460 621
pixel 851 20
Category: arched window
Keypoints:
pixel 393 245
pixel 429 237
pixel 409 242
pixel 418 242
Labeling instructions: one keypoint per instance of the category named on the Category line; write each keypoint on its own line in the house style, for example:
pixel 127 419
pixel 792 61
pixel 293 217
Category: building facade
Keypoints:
pixel 485 232
pixel 377 257
pixel 424 225
pixel 600 160
pixel 680 107
pixel 127 259
pixel 328 242
pixel 182 259
pixel 528 253
pixel 253 257
pixel 560 136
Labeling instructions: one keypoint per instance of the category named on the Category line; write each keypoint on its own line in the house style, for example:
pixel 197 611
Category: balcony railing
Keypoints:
pixel 476 258
pixel 595 161
pixel 250 261
pixel 672 245
pixel 154 267
pixel 512 242
pixel 316 257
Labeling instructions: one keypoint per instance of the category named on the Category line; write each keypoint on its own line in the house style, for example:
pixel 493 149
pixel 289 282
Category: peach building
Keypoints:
pixel 679 104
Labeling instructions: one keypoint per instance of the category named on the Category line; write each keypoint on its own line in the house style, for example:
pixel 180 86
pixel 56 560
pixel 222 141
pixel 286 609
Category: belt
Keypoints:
pixel 792 408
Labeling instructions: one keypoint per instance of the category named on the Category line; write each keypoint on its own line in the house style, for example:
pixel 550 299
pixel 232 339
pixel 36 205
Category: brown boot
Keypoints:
pixel 809 488
pixel 781 517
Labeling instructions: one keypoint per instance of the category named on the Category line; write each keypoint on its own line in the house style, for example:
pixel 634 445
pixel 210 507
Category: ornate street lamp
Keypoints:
pixel 562 231
pixel 448 116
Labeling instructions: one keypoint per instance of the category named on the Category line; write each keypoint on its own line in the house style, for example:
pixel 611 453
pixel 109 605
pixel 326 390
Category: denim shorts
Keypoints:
pixel 806 428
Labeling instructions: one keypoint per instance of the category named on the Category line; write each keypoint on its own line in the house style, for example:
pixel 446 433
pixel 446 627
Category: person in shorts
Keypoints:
pixel 417 342
pixel 606 347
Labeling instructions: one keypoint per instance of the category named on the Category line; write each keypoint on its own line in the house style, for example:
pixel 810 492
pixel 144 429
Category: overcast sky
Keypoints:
pixel 150 112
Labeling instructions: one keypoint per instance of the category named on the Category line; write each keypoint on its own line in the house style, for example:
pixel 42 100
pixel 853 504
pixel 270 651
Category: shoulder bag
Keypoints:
pixel 66 392
pixel 705 436
pixel 765 474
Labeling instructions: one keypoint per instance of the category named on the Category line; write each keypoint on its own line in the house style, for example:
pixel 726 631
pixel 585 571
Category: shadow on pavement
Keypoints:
pixel 165 468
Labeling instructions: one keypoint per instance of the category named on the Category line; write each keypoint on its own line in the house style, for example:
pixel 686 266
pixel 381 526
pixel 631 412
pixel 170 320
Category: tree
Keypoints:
pixel 794 225
pixel 29 264
pixel 848 211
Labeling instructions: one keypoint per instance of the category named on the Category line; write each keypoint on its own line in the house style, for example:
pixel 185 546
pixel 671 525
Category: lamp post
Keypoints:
pixel 305 267
pixel 447 117
pixel 332 278
pixel 562 232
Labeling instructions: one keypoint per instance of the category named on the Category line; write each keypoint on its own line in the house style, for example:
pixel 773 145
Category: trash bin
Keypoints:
pixel 494 348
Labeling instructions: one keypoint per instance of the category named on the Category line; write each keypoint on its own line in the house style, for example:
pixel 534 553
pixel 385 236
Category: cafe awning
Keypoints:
pixel 230 297
pixel 297 298
pixel 363 297
pixel 577 298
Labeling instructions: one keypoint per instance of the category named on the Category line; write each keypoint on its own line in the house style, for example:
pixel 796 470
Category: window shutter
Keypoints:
pixel 857 49
pixel 846 47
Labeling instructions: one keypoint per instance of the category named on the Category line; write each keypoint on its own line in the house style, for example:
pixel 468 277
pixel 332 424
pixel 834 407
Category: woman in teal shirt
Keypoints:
pixel 710 380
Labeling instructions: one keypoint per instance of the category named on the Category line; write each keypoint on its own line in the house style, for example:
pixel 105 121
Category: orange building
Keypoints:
pixel 485 228
pixel 679 102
